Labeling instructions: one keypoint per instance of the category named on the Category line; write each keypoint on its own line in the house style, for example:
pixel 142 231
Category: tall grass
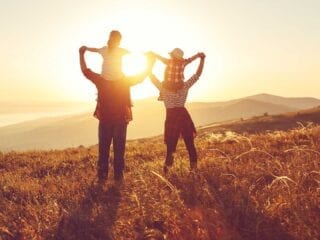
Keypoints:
pixel 248 186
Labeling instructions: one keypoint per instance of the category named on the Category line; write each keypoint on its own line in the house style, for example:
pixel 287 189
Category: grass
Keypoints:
pixel 248 186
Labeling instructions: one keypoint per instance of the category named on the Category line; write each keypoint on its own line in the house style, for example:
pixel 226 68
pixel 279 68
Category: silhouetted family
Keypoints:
pixel 113 108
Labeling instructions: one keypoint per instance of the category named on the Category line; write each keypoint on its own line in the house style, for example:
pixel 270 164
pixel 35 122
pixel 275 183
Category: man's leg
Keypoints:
pixel 105 137
pixel 119 144
pixel 189 142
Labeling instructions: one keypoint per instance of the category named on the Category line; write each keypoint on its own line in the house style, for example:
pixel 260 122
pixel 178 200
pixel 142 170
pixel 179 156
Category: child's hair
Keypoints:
pixel 177 53
pixel 114 38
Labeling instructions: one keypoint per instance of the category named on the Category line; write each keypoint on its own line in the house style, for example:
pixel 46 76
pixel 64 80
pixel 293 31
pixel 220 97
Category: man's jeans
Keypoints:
pixel 117 133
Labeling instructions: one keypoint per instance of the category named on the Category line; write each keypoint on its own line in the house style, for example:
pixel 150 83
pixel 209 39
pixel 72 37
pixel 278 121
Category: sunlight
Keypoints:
pixel 134 63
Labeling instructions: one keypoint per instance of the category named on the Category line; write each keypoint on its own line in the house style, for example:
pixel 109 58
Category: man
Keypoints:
pixel 114 113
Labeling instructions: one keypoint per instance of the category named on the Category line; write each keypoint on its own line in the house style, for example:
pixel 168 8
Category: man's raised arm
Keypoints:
pixel 83 64
pixel 92 76
pixel 133 80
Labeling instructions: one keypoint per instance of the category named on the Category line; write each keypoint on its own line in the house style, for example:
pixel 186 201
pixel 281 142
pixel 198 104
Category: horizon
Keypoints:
pixel 251 47
pixel 153 97
pixel 19 112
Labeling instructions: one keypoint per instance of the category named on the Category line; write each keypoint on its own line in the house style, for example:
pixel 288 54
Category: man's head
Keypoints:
pixel 176 53
pixel 114 39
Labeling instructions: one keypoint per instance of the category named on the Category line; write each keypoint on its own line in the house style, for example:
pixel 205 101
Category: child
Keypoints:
pixel 174 71
pixel 112 56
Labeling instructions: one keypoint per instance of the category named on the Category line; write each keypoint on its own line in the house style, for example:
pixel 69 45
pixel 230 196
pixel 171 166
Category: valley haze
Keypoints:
pixel 72 130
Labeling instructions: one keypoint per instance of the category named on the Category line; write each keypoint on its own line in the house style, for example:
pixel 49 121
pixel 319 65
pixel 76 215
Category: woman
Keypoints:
pixel 178 121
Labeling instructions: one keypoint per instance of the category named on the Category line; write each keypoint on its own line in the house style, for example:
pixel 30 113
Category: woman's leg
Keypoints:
pixel 193 157
pixel 171 148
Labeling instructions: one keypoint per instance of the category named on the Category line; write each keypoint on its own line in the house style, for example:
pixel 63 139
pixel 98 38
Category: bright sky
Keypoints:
pixel 265 46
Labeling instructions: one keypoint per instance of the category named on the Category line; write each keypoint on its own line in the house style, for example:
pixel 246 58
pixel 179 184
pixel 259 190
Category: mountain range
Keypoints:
pixel 149 114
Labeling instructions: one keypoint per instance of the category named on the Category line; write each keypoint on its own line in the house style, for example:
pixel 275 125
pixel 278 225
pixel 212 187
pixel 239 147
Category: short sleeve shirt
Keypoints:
pixel 112 63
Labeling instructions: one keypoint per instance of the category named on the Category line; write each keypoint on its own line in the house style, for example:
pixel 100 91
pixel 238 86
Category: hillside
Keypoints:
pixel 293 102
pixel 245 108
pixel 280 122
pixel 263 186
pixel 149 114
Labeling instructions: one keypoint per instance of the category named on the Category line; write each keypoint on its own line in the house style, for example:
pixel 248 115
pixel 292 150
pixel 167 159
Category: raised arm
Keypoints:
pixel 92 76
pixel 83 64
pixel 155 81
pixel 196 76
pixel 191 59
pixel 133 80
pixel 162 59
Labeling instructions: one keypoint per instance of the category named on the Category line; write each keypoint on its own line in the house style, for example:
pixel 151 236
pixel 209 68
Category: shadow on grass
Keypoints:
pixel 241 213
pixel 94 218
pixel 237 213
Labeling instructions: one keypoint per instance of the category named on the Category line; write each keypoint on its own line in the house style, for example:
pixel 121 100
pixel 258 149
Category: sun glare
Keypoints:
pixel 134 63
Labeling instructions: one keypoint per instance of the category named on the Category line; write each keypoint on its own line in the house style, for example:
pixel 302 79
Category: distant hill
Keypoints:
pixel 293 102
pixel 149 114
pixel 244 108
pixel 279 122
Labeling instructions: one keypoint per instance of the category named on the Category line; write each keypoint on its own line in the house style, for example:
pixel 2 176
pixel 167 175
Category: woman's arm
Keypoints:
pixel 133 80
pixel 196 76
pixel 155 81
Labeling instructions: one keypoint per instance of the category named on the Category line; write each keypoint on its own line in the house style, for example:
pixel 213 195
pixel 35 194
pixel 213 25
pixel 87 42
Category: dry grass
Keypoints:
pixel 258 186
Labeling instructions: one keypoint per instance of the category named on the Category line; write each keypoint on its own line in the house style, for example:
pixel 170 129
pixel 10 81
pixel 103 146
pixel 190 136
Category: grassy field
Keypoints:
pixel 248 186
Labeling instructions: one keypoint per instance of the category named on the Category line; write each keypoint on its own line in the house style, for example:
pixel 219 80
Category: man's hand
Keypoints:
pixel 202 55
pixel 82 49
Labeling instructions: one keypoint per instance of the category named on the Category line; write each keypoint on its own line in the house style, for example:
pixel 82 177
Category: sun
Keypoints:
pixel 134 63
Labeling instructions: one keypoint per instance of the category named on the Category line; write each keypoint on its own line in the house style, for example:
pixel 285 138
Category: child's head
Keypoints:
pixel 176 54
pixel 114 39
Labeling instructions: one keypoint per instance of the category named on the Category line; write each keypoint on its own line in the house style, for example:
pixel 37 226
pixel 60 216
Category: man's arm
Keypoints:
pixel 133 80
pixel 196 76
pixel 92 76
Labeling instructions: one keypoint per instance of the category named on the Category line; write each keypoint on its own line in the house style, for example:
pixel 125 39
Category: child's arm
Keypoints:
pixel 90 49
pixel 162 59
pixel 191 59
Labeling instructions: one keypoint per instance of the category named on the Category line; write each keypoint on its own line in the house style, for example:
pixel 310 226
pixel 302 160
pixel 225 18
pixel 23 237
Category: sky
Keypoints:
pixel 252 47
